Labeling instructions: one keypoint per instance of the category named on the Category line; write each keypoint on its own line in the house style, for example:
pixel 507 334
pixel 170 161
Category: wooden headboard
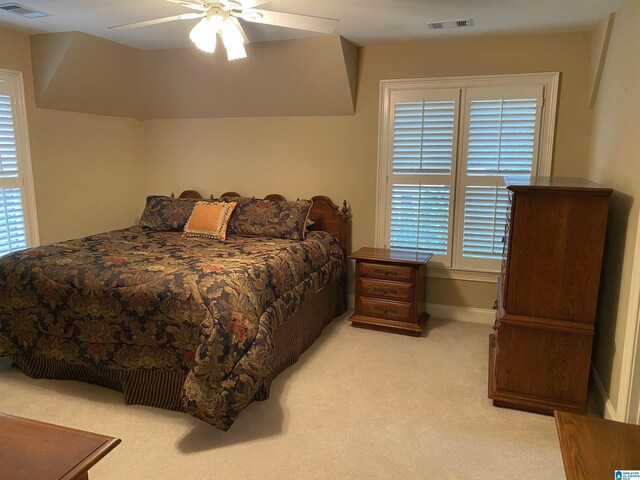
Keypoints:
pixel 326 215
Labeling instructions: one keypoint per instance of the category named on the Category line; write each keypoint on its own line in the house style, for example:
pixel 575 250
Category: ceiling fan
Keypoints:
pixel 221 18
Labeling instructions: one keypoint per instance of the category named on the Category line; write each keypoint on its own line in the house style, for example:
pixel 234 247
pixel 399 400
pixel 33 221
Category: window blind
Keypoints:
pixel 485 220
pixel 501 136
pixel 501 139
pixel 12 223
pixel 420 217
pixel 12 229
pixel 8 154
pixel 446 146
pixel 423 137
pixel 422 150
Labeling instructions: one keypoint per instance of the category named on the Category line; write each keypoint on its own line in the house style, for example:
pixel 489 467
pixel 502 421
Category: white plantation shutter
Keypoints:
pixel 501 136
pixel 420 217
pixel 421 146
pixel 446 145
pixel 8 153
pixel 485 219
pixel 12 229
pixel 16 230
pixel 423 137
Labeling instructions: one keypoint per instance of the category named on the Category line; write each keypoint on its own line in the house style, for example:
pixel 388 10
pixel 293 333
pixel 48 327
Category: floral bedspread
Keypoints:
pixel 143 299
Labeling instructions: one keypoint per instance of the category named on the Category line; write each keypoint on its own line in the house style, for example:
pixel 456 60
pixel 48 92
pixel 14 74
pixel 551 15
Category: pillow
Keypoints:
pixel 166 213
pixel 268 218
pixel 209 220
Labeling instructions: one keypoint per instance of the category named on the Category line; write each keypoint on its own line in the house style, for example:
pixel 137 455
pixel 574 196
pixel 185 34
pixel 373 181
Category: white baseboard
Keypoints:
pixel 602 399
pixel 451 312
pixel 484 316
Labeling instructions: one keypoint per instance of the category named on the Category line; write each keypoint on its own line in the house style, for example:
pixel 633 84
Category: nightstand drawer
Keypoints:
pixel 384 309
pixel 387 272
pixel 381 288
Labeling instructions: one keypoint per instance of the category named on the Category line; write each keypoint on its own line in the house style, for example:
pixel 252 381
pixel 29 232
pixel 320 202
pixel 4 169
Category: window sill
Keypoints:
pixel 457 274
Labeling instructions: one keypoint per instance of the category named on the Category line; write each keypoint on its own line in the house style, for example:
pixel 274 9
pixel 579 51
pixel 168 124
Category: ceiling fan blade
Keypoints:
pixel 246 4
pixel 184 16
pixel 290 20
pixel 191 5
pixel 241 30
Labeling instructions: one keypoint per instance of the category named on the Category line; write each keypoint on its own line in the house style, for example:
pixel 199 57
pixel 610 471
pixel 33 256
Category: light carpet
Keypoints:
pixel 359 404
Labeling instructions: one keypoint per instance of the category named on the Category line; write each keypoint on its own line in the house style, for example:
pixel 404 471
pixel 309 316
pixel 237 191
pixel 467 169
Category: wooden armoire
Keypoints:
pixel 540 350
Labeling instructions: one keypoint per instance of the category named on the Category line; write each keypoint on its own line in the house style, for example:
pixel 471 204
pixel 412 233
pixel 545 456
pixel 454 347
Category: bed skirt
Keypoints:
pixel 163 389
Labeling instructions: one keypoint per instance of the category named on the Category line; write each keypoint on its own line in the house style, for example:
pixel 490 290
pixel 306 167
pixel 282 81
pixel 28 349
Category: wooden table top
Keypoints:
pixel 36 450
pixel 391 256
pixel 525 182
pixel 594 448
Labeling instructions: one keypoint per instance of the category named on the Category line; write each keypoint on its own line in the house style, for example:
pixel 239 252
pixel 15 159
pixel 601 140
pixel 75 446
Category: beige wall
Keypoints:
pixel 337 156
pixel 615 163
pixel 86 168
pixel 87 173
pixel 115 161
pixel 15 55
pixel 600 36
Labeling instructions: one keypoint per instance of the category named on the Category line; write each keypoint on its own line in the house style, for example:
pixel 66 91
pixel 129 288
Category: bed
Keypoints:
pixel 188 324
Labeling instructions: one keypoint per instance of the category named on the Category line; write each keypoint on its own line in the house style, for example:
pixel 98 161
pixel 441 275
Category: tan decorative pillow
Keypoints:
pixel 209 220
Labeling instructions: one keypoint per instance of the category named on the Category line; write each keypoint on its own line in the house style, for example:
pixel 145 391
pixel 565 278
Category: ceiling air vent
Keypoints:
pixel 22 10
pixel 451 24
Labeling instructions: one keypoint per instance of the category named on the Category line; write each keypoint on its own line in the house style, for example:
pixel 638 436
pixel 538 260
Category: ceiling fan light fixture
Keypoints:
pixel 220 18
pixel 233 39
pixel 251 16
pixel 203 35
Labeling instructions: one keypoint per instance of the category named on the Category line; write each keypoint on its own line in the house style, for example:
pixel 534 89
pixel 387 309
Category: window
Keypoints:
pixel 445 147
pixel 422 170
pixel 18 229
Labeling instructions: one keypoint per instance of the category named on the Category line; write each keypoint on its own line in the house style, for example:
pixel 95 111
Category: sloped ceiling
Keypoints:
pixel 77 72
pixel 80 73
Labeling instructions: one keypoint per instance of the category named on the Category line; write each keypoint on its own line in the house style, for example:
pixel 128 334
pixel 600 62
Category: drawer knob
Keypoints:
pixel 385 291
pixel 385 310
pixel 495 305
pixel 386 273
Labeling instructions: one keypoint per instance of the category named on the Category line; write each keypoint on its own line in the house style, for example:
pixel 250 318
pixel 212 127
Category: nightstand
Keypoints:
pixel 390 290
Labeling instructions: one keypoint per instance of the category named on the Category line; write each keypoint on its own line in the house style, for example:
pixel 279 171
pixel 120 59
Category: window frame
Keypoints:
pixel 15 81
pixel 548 80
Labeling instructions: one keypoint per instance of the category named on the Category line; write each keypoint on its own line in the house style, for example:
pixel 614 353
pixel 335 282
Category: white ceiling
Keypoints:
pixel 361 21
